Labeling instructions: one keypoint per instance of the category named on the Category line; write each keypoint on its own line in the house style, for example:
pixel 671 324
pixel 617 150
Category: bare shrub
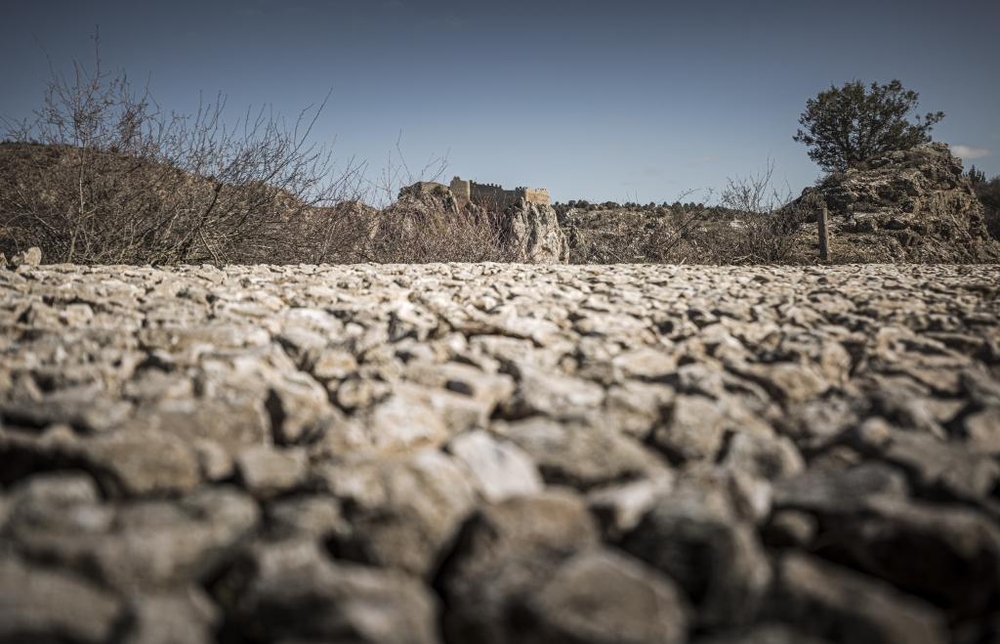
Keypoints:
pixel 753 223
pixel 428 226
pixel 101 175
pixel 332 235
pixel 675 244
pixel 635 235
pixel 763 229
pixel 608 237
pixel 397 174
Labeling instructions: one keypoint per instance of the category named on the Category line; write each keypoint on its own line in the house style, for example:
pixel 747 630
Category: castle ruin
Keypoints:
pixel 487 195
pixel 492 195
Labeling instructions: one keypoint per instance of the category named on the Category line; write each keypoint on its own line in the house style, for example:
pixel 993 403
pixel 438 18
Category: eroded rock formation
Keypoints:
pixel 531 231
pixel 913 205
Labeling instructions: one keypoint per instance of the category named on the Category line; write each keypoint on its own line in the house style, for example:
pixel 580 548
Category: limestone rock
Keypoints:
pixel 233 425
pixel 982 430
pixel 915 203
pixel 533 231
pixel 506 551
pixel 296 406
pixel 163 618
pixel 579 455
pixel 31 257
pixel 485 387
pixel 935 467
pixel 290 592
pixel 770 633
pixel 619 507
pixel 864 514
pixel 215 463
pixel 334 364
pixel 762 456
pixel 143 544
pixel 552 395
pixel 38 605
pixel 600 596
pixel 714 558
pixel 401 513
pixel 554 521
pixel 788 382
pixel 695 430
pixel 139 463
pixel 83 407
pixel 790 528
pixel 415 418
pixel 314 516
pixel 267 472
pixel 635 408
pixel 317 453
pixel 839 492
pixel 836 603
pixel 498 469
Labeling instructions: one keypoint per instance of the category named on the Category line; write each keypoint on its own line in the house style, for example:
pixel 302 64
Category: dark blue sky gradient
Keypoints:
pixel 623 100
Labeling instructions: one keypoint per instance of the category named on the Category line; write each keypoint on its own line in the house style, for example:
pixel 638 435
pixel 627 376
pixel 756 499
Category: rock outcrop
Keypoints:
pixel 28 258
pixel 523 231
pixel 906 206
pixel 532 234
pixel 500 453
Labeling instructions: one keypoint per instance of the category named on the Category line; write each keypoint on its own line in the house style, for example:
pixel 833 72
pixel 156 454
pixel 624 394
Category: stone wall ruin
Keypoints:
pixel 493 195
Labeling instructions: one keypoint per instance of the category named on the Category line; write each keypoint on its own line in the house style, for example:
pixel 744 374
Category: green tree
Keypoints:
pixel 976 176
pixel 846 126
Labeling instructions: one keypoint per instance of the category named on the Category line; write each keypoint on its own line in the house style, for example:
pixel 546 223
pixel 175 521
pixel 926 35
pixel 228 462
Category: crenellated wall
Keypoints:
pixel 495 196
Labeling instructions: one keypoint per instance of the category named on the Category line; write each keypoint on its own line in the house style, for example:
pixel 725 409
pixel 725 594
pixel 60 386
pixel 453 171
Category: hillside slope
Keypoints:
pixel 906 206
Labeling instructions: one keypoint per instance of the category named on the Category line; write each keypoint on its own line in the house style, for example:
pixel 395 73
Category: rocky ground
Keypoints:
pixel 496 453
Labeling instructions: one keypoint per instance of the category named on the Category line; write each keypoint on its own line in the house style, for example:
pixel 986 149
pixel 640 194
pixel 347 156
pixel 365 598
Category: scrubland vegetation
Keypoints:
pixel 101 175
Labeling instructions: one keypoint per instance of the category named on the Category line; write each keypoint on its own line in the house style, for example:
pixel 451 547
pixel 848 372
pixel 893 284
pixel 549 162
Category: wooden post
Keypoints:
pixel 824 235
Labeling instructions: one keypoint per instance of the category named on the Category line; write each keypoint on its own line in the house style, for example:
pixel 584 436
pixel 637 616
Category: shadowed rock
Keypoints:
pixel 37 605
pixel 842 606
pixel 290 592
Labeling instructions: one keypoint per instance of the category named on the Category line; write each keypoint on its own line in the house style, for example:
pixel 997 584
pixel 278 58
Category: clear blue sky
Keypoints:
pixel 619 99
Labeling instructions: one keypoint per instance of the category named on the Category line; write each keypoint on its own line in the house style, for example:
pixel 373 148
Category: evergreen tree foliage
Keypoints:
pixel 845 126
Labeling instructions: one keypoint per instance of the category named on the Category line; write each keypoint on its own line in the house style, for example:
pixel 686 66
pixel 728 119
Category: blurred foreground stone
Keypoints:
pixel 500 453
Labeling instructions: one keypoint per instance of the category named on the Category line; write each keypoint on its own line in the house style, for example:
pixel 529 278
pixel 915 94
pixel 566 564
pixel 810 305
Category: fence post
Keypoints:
pixel 824 235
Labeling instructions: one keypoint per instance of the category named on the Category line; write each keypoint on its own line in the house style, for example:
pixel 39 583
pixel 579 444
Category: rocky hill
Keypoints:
pixel 101 206
pixel 533 234
pixel 912 206
pixel 614 234
pixel 906 206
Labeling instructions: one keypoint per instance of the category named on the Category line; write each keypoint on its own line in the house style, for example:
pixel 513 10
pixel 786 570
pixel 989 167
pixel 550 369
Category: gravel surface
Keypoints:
pixel 500 453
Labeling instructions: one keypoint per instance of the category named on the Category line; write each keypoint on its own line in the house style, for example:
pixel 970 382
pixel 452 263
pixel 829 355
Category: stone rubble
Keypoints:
pixel 915 205
pixel 500 453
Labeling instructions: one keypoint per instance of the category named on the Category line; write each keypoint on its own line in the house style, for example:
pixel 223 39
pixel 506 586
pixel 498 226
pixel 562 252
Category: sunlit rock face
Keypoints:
pixel 915 204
